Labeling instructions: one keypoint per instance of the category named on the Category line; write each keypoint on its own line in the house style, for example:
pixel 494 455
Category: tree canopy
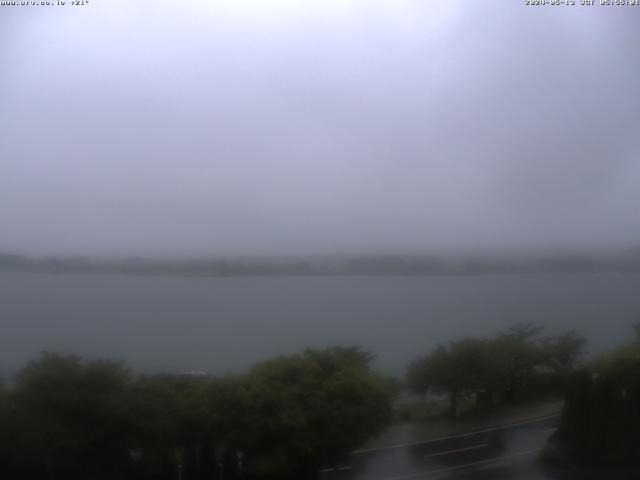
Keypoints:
pixel 312 409
pixel 66 417
pixel 502 365
pixel 600 423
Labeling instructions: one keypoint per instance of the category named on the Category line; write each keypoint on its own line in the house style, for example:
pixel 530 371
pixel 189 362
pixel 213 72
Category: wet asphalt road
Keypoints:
pixel 503 452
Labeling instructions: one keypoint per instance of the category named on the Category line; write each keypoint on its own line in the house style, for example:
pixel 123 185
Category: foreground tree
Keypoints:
pixel 462 368
pixel 182 422
pixel 520 355
pixel 506 365
pixel 561 354
pixel 310 410
pixel 524 355
pixel 600 423
pixel 68 417
pixel 5 426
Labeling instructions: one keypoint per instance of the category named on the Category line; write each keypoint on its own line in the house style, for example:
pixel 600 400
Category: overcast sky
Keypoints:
pixel 211 127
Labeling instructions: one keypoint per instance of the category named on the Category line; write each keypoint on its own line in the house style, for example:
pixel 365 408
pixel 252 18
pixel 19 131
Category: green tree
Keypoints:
pixel 562 353
pixel 186 417
pixel 308 410
pixel 523 355
pixel 153 410
pixel 462 368
pixel 600 422
pixel 6 453
pixel 505 364
pixel 69 416
pixel 520 353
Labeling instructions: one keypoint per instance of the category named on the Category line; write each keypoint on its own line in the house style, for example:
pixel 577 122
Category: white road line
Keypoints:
pixel 549 430
pixel 332 469
pixel 459 435
pixel 496 460
pixel 457 450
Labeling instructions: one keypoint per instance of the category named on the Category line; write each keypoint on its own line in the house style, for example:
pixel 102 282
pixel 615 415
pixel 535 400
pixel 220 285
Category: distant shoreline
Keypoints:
pixel 405 266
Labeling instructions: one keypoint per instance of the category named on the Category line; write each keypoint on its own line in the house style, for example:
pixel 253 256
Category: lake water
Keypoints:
pixel 226 324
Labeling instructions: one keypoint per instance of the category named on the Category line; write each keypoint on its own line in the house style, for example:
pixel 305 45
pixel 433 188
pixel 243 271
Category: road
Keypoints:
pixel 500 453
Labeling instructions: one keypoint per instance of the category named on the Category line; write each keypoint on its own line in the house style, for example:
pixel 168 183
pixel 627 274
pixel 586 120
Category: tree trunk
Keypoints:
pixel 453 403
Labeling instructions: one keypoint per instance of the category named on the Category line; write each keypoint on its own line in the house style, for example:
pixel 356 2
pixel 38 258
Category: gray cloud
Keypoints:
pixel 335 127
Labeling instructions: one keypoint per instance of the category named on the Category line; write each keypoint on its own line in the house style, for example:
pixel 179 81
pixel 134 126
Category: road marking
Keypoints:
pixel 496 460
pixel 459 435
pixel 549 430
pixel 457 450
pixel 332 469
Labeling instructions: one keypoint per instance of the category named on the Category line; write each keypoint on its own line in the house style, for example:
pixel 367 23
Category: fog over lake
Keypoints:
pixel 195 186
pixel 226 324
pixel 251 127
pixel 284 128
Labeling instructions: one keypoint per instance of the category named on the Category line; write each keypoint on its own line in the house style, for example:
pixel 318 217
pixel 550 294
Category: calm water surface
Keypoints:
pixel 226 324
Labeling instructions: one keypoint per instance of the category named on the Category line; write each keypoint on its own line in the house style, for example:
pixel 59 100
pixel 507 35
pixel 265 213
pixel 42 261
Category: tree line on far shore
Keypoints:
pixel 623 262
